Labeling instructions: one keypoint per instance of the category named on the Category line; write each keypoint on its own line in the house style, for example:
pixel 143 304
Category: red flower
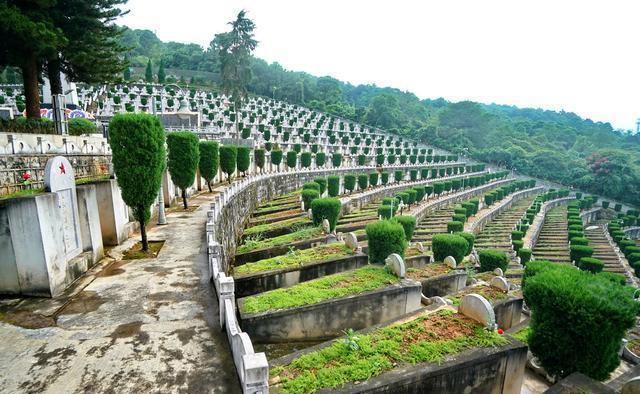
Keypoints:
pixel 26 176
pixel 500 331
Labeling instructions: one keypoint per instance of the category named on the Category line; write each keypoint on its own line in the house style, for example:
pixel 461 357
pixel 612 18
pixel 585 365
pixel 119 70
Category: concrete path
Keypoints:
pixel 141 326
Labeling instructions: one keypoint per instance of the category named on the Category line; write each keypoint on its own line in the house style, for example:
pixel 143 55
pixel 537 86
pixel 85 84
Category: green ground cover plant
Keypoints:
pixel 296 258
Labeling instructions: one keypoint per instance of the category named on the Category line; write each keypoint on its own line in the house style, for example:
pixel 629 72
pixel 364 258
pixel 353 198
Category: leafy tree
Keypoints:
pixel 209 161
pixel 260 158
pixel 228 158
pixel 276 158
pixel 183 159
pixel 139 157
pixel 234 50
pixel 244 159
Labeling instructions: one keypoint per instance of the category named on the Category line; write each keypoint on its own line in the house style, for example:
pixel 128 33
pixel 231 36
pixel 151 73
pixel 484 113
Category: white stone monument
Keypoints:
pixel 500 283
pixel 351 240
pixel 396 264
pixel 59 178
pixel 450 262
pixel 478 308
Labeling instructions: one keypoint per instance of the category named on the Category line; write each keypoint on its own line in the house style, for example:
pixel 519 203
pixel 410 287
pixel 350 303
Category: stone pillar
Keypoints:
pixel 88 214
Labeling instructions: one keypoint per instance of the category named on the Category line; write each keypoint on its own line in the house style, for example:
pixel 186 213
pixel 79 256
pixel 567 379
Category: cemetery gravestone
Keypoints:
pixel 450 262
pixel 351 241
pixel 500 283
pixel 59 178
pixel 478 308
pixel 395 263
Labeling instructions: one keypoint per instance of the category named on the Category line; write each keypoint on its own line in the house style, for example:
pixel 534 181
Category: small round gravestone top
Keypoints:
pixel 395 262
pixel 500 283
pixel 632 386
pixel 310 214
pixel 326 226
pixel 420 247
pixel 351 240
pixel 58 174
pixel 498 271
pixel 450 262
pixel 478 308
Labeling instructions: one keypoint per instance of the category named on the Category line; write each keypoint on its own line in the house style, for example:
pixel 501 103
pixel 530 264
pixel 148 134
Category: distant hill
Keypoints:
pixel 559 146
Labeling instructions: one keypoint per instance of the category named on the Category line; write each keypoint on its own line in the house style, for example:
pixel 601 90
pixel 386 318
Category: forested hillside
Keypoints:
pixel 559 146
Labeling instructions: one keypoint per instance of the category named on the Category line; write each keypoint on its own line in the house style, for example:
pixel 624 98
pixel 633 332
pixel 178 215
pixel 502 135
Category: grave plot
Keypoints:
pixel 323 308
pixel 437 279
pixel 506 302
pixel 428 351
pixel 553 241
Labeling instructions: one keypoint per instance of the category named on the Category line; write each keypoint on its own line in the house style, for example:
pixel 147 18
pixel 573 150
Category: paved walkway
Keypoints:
pixel 141 326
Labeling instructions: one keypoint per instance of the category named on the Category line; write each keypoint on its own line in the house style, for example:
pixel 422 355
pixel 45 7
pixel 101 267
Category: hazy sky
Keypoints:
pixel 579 56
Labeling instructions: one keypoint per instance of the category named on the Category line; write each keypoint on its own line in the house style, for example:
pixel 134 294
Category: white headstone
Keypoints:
pixel 498 271
pixel 450 262
pixel 326 226
pixel 394 261
pixel 420 247
pixel 310 214
pixel 500 283
pixel 59 178
pixel 478 308
pixel 351 241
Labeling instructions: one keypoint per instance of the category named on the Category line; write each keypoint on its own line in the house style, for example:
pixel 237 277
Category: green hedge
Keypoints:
pixel 326 208
pixel 579 241
pixel 591 264
pixel 373 179
pixel 578 319
pixel 579 251
pixel 336 159
pixel 276 157
pixel 333 185
pixel 350 182
pixel 385 211
pixel 384 238
pixel 516 235
pixel 490 259
pixel 321 159
pixel 363 181
pixel 209 160
pixel 244 159
pixel 525 255
pixel 444 245
pixel 470 238
pixel 398 175
pixel 384 177
pixel 517 245
pixel 308 195
pixel 322 181
pixel 311 185
pixel 408 223
pixel 292 159
pixel 454 227
pixel 305 159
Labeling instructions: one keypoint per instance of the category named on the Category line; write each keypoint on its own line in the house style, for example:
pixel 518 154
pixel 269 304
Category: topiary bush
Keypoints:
pixel 373 179
pixel 336 159
pixel 385 211
pixel 516 235
pixel 305 159
pixel 385 237
pixel 183 158
pixel 454 227
pixel 326 208
pixel 490 259
pixel 209 161
pixel 322 181
pixel 228 160
pixel 517 245
pixel 591 264
pixel 259 156
pixel 292 159
pixel 81 126
pixel 321 158
pixel 579 251
pixel 578 319
pixel 308 195
pixel 311 185
pixel 579 241
pixel 350 182
pixel 384 177
pixel 363 181
pixel 398 175
pixel 525 255
pixel 139 158
pixel 408 223
pixel 470 238
pixel 444 245
pixel 244 159
pixel 333 185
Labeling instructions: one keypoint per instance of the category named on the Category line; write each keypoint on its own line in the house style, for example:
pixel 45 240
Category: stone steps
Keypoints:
pixel 603 251
pixel 553 240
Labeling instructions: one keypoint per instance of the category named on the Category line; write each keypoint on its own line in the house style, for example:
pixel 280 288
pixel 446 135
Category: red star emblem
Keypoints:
pixel 62 170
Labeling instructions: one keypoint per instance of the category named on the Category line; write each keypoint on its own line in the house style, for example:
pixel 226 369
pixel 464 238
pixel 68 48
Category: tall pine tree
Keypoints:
pixel 148 73
pixel 161 73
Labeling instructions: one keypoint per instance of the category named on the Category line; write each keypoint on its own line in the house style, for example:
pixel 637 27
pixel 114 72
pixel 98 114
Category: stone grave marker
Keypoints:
pixel 395 263
pixel 326 226
pixel 632 386
pixel 450 262
pixel 59 178
pixel 498 271
pixel 500 283
pixel 420 247
pixel 478 308
pixel 310 214
pixel 351 241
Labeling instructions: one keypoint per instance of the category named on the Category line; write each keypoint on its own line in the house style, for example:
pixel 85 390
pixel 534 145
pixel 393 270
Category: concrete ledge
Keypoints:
pixel 442 285
pixel 508 312
pixel 250 284
pixel 329 318
pixel 266 253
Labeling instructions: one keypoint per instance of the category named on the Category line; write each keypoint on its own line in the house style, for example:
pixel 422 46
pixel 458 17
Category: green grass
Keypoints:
pixel 361 357
pixel 22 193
pixel 312 292
pixel 255 244
pixel 296 258
pixel 522 335
pixel 278 207
pixel 277 225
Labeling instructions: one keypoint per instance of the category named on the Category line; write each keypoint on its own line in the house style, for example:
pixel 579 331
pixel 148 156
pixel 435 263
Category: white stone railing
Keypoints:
pixel 478 224
pixel 533 232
